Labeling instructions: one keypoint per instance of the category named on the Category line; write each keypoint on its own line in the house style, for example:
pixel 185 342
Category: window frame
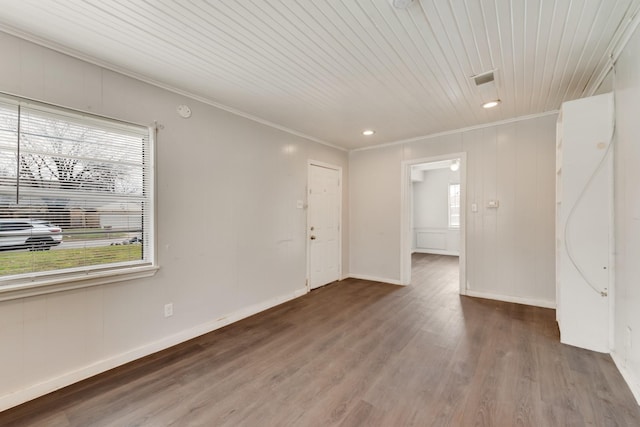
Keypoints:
pixel 44 282
pixel 450 206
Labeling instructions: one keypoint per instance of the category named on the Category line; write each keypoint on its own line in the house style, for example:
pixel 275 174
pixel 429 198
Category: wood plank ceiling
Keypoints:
pixel 329 69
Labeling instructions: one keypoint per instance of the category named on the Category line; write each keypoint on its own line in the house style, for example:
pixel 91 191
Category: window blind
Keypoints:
pixel 75 191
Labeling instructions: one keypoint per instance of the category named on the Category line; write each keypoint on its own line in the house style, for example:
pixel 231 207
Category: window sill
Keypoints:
pixel 75 281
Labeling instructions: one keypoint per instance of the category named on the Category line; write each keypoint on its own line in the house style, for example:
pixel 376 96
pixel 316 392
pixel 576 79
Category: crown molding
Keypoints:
pixel 121 70
pixel 455 131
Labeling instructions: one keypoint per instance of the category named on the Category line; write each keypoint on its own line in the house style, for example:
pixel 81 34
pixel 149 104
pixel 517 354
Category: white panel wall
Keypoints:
pixel 230 239
pixel 510 250
pixel 431 198
pixel 374 200
pixel 626 351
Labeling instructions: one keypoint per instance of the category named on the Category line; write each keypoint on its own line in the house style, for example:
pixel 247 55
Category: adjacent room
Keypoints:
pixel 345 212
pixel 435 209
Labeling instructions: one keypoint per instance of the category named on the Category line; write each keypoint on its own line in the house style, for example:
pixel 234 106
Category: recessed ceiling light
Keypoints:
pixel 491 104
pixel 368 132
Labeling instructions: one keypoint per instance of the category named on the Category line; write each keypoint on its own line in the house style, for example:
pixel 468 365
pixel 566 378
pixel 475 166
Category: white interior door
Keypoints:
pixel 323 225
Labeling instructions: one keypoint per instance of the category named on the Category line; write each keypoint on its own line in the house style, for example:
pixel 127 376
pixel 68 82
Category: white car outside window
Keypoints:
pixel 32 234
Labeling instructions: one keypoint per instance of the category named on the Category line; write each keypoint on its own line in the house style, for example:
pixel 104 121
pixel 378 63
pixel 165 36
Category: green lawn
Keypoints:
pixel 90 234
pixel 18 262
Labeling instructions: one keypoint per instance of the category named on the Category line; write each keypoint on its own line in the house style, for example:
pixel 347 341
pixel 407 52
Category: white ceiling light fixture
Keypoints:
pixel 455 165
pixel 368 132
pixel 401 4
pixel 491 104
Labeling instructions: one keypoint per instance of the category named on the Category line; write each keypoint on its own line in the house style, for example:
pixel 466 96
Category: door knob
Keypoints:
pixel 312 237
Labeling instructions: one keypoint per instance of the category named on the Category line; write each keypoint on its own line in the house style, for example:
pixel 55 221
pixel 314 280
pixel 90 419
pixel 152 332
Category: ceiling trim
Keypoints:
pixel 461 130
pixel 111 67
pixel 626 35
pixel 625 32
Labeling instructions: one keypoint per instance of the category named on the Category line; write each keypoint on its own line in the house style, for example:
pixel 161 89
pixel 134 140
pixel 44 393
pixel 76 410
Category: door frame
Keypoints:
pixel 405 216
pixel 307 233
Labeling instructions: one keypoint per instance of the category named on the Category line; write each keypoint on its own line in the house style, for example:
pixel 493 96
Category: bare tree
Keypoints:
pixel 59 163
pixel 69 160
pixel 61 155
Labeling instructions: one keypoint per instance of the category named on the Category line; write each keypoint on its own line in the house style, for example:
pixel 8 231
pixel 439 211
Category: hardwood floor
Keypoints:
pixel 359 353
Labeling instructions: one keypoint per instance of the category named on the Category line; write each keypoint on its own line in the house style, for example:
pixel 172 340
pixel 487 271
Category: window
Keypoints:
pixel 75 194
pixel 454 205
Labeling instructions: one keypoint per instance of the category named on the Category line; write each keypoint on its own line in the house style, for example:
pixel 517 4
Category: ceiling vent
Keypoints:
pixel 483 78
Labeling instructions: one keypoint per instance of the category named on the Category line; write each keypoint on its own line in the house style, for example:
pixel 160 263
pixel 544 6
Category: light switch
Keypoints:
pixel 474 207
pixel 299 204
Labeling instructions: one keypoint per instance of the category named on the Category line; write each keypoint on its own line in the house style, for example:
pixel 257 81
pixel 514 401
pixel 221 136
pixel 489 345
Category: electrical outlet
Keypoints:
pixel 168 310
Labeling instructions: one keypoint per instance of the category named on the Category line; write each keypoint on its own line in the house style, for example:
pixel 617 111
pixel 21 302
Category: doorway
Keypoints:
pixel 433 212
pixel 324 216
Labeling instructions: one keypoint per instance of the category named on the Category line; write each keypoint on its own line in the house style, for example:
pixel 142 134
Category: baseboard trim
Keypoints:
pixel 435 252
pixel 627 375
pixel 508 298
pixel 375 279
pixel 53 384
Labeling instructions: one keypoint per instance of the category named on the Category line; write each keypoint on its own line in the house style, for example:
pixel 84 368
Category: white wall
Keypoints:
pixel 431 198
pixel 626 351
pixel 230 239
pixel 431 233
pixel 510 250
